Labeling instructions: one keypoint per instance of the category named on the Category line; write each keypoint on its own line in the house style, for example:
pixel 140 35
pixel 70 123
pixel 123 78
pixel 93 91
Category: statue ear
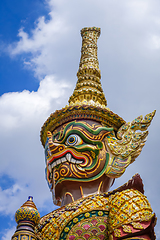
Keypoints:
pixel 127 145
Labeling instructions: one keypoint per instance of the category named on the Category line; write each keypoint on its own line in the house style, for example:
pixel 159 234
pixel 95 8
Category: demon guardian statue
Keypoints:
pixel 87 146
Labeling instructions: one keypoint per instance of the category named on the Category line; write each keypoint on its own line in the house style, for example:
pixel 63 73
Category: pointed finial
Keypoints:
pixel 27 211
pixel 30 198
pixel 88 100
pixel 88 88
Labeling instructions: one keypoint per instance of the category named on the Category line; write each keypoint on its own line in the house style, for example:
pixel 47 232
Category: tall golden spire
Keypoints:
pixel 88 100
pixel 88 88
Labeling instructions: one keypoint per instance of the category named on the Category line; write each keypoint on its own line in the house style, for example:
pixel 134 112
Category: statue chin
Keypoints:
pixel 69 191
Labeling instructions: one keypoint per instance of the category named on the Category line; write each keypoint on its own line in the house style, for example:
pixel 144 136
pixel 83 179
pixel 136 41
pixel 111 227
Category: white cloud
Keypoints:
pixel 8 200
pixel 8 233
pixel 61 32
pixel 138 9
pixel 155 42
pixel 19 108
pixel 128 32
pixel 22 115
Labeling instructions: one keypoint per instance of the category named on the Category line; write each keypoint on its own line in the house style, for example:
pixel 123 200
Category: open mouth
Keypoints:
pixel 65 158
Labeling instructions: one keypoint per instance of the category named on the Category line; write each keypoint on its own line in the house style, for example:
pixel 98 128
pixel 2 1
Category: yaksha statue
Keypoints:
pixel 87 146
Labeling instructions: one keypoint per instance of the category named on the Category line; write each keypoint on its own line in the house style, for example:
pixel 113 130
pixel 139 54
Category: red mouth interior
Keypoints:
pixel 63 154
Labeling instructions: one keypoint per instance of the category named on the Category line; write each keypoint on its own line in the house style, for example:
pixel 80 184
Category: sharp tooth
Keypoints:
pixel 53 164
pixel 58 161
pixel 63 159
pixel 68 157
pixel 73 160
pixel 78 162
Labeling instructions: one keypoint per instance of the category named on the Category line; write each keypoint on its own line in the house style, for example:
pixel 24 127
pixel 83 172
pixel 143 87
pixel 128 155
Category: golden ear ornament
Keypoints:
pixel 127 144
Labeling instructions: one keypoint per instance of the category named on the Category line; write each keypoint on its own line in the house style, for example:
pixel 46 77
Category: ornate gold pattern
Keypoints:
pixel 119 209
pixel 128 206
pixel 88 88
pixel 117 233
pixel 128 141
pixel 137 225
pixel 60 218
pixel 27 216
pixel 83 159
pixel 127 144
pixel 27 211
pixel 24 237
pixel 127 229
pixel 89 228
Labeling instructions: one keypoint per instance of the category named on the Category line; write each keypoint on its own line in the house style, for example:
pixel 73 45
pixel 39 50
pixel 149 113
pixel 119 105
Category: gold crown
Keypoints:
pixel 88 100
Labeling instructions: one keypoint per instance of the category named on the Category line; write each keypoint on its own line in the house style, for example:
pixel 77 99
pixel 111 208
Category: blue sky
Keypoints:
pixel 40 46
pixel 14 15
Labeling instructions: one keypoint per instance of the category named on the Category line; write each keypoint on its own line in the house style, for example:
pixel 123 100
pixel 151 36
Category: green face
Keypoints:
pixel 76 152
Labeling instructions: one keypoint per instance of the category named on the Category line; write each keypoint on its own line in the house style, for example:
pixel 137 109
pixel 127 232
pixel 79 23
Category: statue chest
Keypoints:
pixel 87 225
pixel 97 217
pixel 82 220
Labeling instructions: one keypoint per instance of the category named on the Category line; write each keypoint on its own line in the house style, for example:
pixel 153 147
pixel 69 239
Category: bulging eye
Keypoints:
pixel 73 140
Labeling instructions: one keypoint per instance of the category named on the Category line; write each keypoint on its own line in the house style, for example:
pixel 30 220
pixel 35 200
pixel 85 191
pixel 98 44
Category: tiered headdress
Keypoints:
pixel 88 99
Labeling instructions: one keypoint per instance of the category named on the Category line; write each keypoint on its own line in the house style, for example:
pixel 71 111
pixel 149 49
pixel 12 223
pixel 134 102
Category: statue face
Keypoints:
pixel 76 152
